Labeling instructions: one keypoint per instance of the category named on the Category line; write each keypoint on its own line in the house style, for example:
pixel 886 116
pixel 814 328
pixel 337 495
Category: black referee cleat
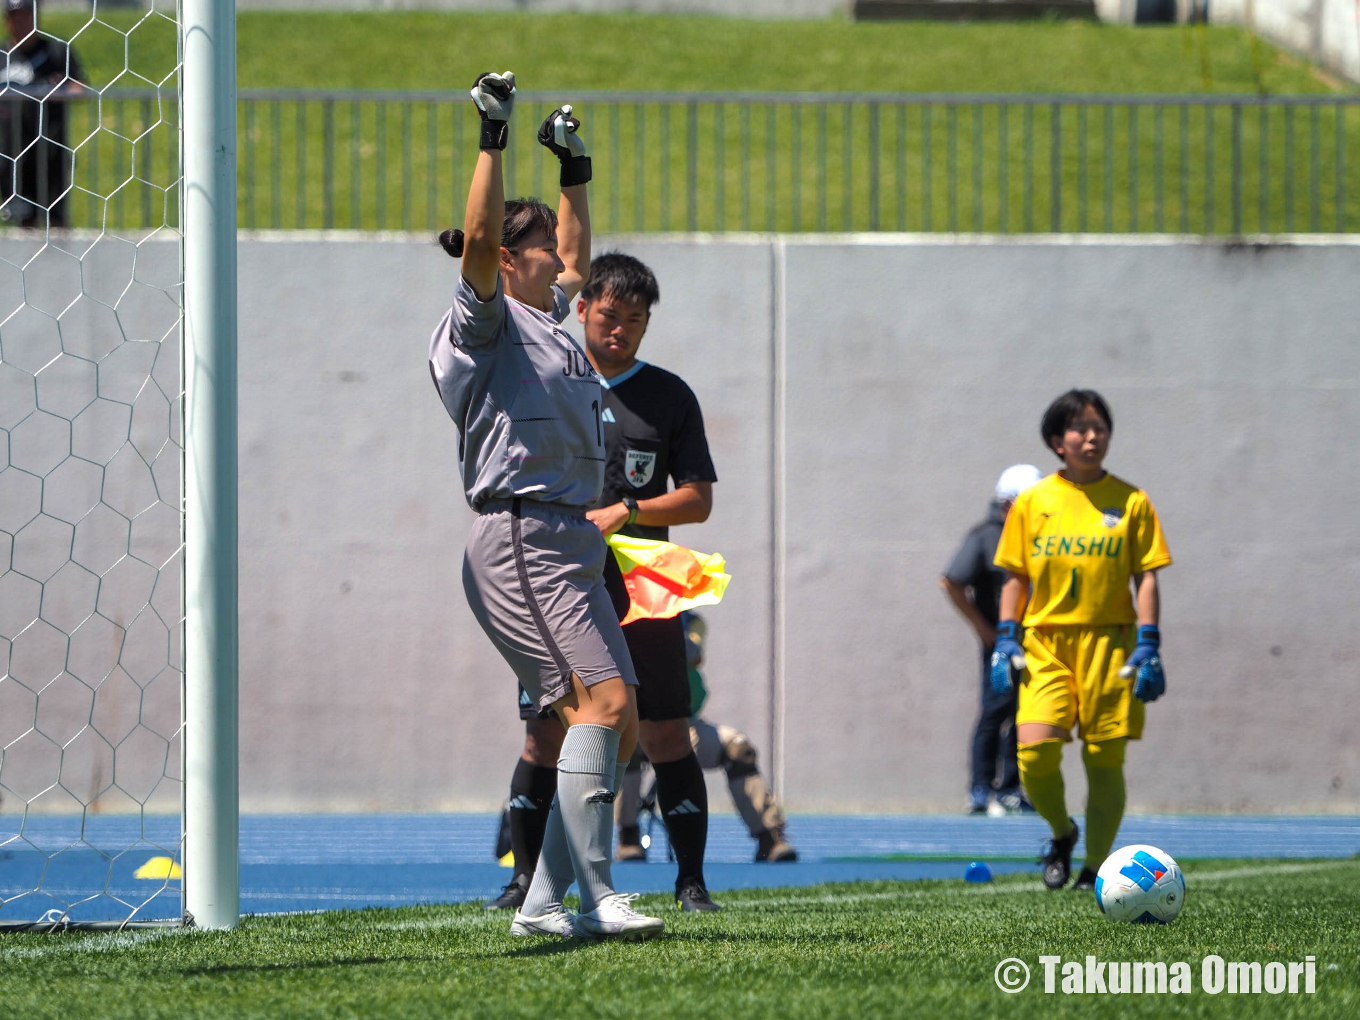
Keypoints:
pixel 691 896
pixel 1058 861
pixel 1086 881
pixel 512 896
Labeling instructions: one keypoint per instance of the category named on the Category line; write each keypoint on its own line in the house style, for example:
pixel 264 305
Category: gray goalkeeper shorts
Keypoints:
pixel 534 577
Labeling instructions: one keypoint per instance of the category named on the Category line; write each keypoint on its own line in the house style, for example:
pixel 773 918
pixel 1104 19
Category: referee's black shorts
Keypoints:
pixel 657 648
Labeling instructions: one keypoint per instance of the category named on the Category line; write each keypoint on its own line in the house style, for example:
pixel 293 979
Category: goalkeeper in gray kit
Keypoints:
pixel 530 453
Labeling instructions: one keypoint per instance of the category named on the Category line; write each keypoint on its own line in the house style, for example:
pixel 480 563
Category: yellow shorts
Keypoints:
pixel 1072 679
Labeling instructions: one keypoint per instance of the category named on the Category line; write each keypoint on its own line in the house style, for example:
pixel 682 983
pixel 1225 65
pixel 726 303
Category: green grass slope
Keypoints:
pixel 427 50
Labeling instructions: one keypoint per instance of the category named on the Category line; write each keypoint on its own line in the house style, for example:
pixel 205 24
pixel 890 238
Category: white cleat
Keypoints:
pixel 615 918
pixel 557 922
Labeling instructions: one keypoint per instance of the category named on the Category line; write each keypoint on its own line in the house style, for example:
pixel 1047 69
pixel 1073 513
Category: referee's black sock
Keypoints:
pixel 531 794
pixel 683 799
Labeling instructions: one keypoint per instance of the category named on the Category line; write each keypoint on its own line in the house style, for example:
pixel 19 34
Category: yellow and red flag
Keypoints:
pixel 665 579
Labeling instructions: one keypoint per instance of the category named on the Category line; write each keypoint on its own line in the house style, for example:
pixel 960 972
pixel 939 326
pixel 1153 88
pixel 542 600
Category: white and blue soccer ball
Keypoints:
pixel 1140 884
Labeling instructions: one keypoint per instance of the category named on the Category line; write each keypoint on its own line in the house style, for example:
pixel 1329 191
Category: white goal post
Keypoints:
pixel 211 812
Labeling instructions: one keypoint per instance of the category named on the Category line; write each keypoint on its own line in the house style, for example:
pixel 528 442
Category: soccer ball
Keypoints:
pixel 1140 884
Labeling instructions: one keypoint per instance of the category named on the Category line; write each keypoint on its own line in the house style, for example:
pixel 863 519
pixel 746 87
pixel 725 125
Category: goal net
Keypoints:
pixel 91 528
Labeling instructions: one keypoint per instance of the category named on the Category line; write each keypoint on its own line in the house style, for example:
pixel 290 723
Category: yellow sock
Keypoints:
pixel 1105 802
pixel 1041 776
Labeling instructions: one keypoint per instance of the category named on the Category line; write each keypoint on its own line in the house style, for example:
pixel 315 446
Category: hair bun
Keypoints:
pixel 452 242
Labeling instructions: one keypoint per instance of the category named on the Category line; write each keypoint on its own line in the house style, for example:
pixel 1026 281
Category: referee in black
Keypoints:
pixel 654 436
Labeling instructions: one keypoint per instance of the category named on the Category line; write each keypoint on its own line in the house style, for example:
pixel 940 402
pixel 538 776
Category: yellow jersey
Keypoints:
pixel 1079 545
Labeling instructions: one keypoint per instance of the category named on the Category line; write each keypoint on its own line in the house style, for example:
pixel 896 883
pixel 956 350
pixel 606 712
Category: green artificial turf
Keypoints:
pixel 709 165
pixel 926 949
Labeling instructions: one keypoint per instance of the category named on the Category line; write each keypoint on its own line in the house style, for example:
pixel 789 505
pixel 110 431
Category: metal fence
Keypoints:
pixel 764 162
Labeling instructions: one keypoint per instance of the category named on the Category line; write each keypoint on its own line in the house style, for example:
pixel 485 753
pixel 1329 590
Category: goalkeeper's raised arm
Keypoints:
pixel 481 241
pixel 560 134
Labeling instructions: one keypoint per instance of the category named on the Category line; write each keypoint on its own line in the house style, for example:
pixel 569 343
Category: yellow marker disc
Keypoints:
pixel 508 861
pixel 159 868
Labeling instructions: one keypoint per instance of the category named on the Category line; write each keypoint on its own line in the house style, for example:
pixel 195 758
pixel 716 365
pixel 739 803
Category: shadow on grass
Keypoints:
pixel 542 947
pixel 688 937
pixel 281 968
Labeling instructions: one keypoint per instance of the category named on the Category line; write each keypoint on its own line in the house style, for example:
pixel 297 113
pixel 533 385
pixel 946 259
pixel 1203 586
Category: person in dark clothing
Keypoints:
pixel 41 74
pixel 973 584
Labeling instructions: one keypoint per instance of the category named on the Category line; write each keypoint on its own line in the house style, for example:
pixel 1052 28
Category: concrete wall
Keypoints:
pixel 904 397
pixel 368 679
pixel 89 524
pixel 1326 32
pixel 861 394
pixel 906 372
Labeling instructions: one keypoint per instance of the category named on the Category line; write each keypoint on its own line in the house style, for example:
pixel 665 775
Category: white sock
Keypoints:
pixel 585 795
pixel 554 874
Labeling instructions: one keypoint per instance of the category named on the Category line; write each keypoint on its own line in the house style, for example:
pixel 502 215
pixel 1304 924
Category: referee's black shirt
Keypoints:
pixel 653 431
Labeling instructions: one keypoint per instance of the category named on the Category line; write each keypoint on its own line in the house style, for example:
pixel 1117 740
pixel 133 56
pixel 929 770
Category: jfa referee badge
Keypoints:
pixel 638 466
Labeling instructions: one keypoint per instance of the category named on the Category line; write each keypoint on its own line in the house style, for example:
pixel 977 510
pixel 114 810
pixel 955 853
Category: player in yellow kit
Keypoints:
pixel 1083 549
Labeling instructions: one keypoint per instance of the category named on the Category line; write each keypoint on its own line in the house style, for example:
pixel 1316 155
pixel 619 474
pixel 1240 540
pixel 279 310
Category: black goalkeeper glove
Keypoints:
pixel 494 95
pixel 559 135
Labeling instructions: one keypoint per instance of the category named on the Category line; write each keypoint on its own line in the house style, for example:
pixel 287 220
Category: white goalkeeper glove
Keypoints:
pixel 494 95
pixel 558 134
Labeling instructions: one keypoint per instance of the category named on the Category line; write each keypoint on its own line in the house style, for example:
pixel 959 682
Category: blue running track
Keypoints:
pixel 331 862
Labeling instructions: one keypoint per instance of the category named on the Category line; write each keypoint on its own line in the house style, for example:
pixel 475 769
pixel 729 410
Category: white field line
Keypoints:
pixel 436 923
pixel 1269 869
pixel 110 942
pixel 117 941
pixel 1226 875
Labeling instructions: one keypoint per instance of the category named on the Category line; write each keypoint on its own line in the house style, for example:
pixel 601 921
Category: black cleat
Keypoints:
pixel 1086 881
pixel 512 896
pixel 693 897
pixel 1058 861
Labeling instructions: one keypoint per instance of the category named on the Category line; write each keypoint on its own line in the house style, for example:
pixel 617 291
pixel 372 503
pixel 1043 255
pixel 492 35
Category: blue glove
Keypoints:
pixel 1007 655
pixel 1145 664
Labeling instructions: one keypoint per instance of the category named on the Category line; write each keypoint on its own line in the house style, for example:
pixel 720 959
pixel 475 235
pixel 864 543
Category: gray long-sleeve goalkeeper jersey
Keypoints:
pixel 524 397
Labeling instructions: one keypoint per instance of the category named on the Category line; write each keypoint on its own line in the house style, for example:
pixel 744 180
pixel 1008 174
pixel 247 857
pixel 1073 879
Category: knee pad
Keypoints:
pixel 739 757
pixel 1042 758
pixel 1105 754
